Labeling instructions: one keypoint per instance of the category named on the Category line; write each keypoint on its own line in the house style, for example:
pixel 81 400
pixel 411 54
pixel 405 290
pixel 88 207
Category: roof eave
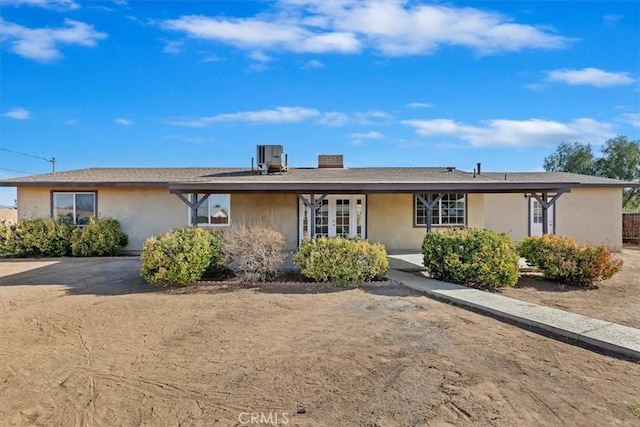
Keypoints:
pixel 364 187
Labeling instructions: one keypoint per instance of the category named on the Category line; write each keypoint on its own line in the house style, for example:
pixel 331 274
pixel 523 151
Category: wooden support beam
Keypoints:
pixel 430 206
pixel 313 206
pixel 193 204
pixel 543 199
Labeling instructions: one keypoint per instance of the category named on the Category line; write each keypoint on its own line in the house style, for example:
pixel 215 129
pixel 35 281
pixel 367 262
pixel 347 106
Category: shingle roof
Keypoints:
pixel 299 178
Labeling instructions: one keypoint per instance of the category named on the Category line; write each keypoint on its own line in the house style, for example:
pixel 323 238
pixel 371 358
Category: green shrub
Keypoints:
pixel 179 257
pixel 100 237
pixel 473 257
pixel 36 237
pixel 346 262
pixel 563 260
pixel 254 252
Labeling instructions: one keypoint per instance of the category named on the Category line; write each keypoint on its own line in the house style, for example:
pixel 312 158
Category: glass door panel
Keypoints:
pixel 322 219
pixel 342 219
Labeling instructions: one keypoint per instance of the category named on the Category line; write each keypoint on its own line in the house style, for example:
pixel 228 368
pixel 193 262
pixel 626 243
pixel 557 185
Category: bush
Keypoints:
pixel 255 253
pixel 346 262
pixel 179 257
pixel 563 260
pixel 473 257
pixel 36 237
pixel 100 237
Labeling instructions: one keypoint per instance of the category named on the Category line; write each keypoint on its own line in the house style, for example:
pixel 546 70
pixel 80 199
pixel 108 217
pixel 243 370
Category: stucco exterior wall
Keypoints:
pixel 591 215
pixel 390 221
pixel 507 213
pixel 279 211
pixel 145 212
pixel 142 212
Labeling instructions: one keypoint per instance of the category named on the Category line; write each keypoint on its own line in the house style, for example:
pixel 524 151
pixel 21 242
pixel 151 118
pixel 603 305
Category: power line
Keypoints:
pixel 14 170
pixel 25 154
pixel 51 160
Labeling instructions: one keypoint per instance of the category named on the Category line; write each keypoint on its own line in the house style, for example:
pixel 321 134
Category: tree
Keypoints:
pixel 576 158
pixel 620 160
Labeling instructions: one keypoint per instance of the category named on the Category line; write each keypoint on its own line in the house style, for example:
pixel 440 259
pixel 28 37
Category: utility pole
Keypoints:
pixel 53 164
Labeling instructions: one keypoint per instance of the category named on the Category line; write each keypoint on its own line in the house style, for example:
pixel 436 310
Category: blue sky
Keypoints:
pixel 386 83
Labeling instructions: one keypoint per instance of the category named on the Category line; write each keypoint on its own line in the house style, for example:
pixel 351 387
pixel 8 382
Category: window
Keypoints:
pixel 216 210
pixel 537 212
pixel 74 208
pixel 450 210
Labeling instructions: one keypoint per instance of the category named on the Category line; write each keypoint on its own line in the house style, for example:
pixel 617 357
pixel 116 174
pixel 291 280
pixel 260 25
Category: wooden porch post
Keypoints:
pixel 542 198
pixel 193 204
pixel 313 205
pixel 430 206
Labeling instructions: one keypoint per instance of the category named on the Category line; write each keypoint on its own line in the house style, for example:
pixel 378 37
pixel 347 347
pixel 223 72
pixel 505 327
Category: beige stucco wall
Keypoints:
pixel 278 211
pixel 145 212
pixel 390 221
pixel 591 215
pixel 507 213
pixel 142 212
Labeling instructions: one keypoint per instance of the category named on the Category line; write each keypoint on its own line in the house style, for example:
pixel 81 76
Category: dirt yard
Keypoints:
pixel 85 342
pixel 616 300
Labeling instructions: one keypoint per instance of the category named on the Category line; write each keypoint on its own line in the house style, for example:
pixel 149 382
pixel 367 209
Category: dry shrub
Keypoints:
pixel 254 252
pixel 562 259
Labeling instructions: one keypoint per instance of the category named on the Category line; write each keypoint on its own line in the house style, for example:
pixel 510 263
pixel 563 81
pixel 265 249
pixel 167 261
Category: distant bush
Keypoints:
pixel 473 257
pixel 36 237
pixel 178 257
pixel 254 252
pixel 346 262
pixel 563 260
pixel 100 237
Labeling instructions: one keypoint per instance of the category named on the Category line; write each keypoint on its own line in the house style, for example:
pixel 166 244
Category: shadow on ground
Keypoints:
pixel 81 276
pixel 120 276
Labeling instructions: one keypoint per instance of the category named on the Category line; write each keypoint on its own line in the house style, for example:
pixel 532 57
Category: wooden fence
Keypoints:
pixel 631 228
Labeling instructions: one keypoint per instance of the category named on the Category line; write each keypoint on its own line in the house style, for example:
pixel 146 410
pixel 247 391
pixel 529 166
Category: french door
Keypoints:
pixel 337 215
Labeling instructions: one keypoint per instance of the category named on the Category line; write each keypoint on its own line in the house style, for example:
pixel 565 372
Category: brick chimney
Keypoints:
pixel 330 161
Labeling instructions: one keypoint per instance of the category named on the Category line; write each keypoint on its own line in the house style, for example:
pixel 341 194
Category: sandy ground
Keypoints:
pixel 616 300
pixel 85 342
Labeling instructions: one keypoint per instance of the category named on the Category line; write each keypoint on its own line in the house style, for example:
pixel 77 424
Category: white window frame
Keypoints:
pixel 208 203
pixel 331 200
pixel 439 216
pixel 75 209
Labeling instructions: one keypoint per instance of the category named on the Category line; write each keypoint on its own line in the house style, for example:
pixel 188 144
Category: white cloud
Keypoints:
pixel 124 122
pixel 398 27
pixel 337 118
pixel 632 118
pixel 611 19
pixel 334 119
pixel 590 76
pixel 419 105
pixel 314 63
pixel 42 44
pixel 71 122
pixel 18 114
pixel 368 135
pixel 275 115
pixel 260 56
pixel 173 47
pixel 515 133
pixel 60 5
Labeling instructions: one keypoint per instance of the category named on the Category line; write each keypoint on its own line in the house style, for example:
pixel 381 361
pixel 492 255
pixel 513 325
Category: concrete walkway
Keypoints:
pixel 594 332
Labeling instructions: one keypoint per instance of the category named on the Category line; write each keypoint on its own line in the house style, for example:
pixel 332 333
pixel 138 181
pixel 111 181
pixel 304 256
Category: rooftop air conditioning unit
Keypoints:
pixel 269 158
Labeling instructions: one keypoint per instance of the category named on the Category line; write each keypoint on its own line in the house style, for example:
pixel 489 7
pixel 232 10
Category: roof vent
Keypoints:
pixel 330 161
pixel 269 158
pixel 451 168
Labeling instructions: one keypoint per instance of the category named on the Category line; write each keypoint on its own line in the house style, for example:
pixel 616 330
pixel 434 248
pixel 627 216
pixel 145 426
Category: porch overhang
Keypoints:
pixel 370 187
